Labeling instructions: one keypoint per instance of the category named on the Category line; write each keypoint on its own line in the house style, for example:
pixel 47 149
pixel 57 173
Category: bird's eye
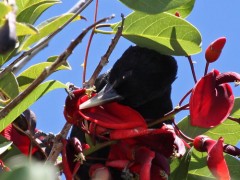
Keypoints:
pixel 126 75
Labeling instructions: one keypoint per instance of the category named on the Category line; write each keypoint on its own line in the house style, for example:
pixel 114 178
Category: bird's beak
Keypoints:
pixel 107 94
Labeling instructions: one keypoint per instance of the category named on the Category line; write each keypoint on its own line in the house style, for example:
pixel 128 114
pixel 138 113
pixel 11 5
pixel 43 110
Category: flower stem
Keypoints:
pixel 184 97
pixel 182 134
pixel 192 68
pixel 168 116
pixel 206 68
pixel 89 44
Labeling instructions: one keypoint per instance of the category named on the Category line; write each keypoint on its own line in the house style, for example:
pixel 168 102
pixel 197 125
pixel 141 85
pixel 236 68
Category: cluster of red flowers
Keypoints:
pixel 139 149
pixel 145 151
pixel 136 148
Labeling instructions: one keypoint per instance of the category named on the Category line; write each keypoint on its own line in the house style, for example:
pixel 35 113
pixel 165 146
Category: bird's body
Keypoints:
pixel 141 79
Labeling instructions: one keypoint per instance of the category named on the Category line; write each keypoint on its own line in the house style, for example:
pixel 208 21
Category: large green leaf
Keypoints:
pixel 25 29
pixel 162 32
pixel 4 10
pixel 5 146
pixel 183 10
pixel 29 75
pixel 29 11
pixel 10 152
pixel 23 169
pixel 46 28
pixel 179 167
pixel 198 166
pixel 8 88
pixel 29 100
pixel 153 6
pixel 229 130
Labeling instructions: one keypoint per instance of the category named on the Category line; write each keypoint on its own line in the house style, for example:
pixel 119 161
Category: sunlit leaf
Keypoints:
pixel 183 10
pixel 162 32
pixel 179 167
pixel 229 130
pixel 4 146
pixel 198 166
pixel 8 88
pixel 4 9
pixel 29 100
pixel 29 11
pixel 153 6
pixel 29 75
pixel 46 28
pixel 10 152
pixel 25 29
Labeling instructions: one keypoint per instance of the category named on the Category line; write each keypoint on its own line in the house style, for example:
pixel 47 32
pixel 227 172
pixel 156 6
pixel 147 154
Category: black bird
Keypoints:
pixel 141 79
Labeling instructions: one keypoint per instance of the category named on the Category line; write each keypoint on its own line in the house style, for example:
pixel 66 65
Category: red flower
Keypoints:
pixel 212 99
pixel 126 155
pixel 19 139
pixel 72 156
pixel 215 159
pixel 214 49
pixel 110 116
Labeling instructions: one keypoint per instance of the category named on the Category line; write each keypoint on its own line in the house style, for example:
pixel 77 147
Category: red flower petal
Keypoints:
pixel 114 116
pixel 210 104
pixel 72 106
pixel 214 50
pixel 111 115
pixel 216 162
pixel 19 139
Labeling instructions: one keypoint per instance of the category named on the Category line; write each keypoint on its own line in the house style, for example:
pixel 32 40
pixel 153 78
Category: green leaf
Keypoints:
pixel 10 152
pixel 25 29
pixel 29 75
pixel 37 93
pixel 229 130
pixel 183 10
pixel 4 146
pixel 29 11
pixel 179 167
pixel 153 6
pixel 46 28
pixel 198 166
pixel 4 9
pixel 23 169
pixel 162 32
pixel 8 88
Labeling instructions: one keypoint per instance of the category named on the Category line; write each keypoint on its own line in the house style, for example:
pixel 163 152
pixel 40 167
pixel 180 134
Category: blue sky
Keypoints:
pixel 213 19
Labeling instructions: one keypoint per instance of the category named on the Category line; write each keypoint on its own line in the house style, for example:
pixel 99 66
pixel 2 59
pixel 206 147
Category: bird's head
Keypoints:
pixel 139 76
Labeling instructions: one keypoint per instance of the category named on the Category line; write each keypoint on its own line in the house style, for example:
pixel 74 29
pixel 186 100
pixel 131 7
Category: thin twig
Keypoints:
pixel 192 68
pixel 169 115
pixel 89 44
pixel 234 119
pixel 57 144
pixel 43 43
pixel 32 140
pixel 206 68
pixel 48 70
pixel 184 97
pixel 105 57
pixel 181 133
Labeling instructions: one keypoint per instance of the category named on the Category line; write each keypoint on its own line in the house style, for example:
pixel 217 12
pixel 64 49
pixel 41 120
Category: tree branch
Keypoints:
pixel 17 64
pixel 48 70
pixel 105 57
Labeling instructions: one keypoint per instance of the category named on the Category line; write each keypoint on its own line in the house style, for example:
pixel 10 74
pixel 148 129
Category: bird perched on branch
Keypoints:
pixel 141 79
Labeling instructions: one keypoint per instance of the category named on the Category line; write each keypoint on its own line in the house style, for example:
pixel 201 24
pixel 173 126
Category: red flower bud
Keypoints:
pixel 215 159
pixel 177 14
pixel 214 49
